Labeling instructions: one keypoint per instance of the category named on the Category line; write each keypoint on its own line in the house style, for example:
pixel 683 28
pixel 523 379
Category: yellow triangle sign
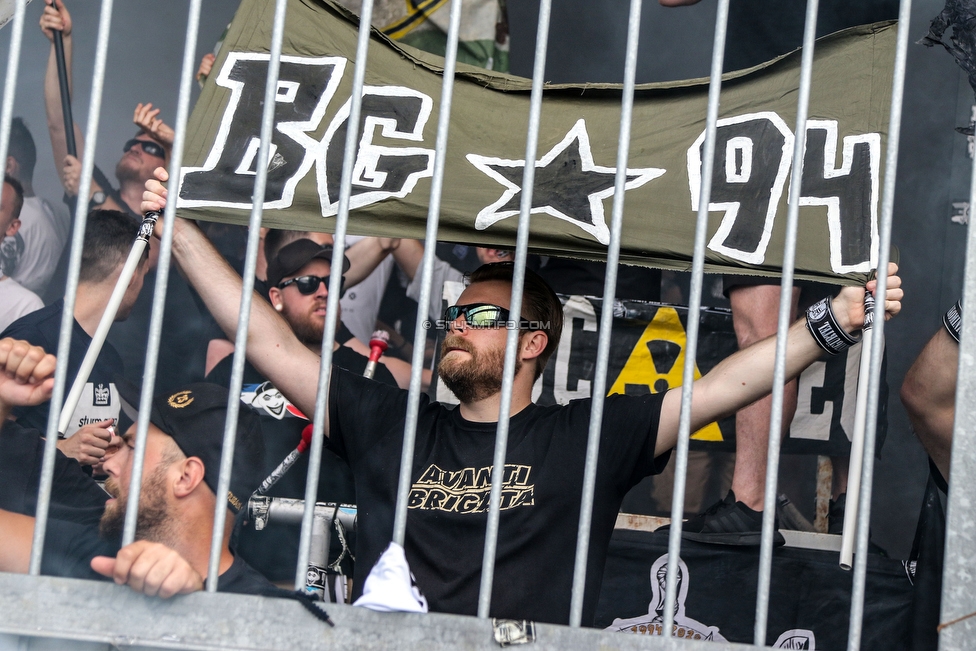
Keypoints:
pixel 657 362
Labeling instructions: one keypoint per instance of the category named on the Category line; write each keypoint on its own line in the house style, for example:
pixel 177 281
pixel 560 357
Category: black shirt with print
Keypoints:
pixel 450 481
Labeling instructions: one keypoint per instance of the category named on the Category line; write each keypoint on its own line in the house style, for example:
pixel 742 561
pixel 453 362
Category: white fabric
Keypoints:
pixel 44 231
pixel 390 587
pixel 361 304
pixel 15 302
pixel 443 273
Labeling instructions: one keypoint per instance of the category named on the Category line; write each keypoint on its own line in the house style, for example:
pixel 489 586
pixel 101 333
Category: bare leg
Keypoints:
pixel 755 310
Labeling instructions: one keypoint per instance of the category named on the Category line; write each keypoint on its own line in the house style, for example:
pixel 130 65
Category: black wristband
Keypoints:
pixel 953 320
pixel 825 330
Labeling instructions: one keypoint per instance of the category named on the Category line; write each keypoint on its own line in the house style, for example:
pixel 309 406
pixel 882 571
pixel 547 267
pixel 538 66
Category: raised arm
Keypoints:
pixel 58 19
pixel 408 256
pixel 271 345
pixel 365 255
pixel 746 376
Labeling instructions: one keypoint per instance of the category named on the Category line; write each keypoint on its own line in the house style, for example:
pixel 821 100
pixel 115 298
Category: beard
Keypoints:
pixel 307 328
pixel 128 170
pixel 153 521
pixel 476 378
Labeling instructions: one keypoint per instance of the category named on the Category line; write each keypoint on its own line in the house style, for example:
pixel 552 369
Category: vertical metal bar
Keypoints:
pixel 332 304
pixel 247 293
pixel 783 326
pixel 162 279
pixel 694 315
pixel 10 82
pixel 877 342
pixel 515 309
pixel 598 392
pixel 958 588
pixel 427 275
pixel 71 287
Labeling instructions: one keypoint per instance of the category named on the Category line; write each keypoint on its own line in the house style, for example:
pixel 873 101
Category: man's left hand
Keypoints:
pixel 150 568
pixel 147 118
pixel 848 306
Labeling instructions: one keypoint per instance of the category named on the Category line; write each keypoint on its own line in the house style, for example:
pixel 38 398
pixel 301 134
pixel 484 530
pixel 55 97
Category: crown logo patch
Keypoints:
pixel 103 396
pixel 180 399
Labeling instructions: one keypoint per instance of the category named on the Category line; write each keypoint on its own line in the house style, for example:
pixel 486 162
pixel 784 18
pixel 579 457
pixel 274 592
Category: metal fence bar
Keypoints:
pixel 247 294
pixel 427 276
pixel 958 589
pixel 71 287
pixel 335 281
pixel 598 388
pixel 515 308
pixel 10 82
pixel 162 279
pixel 783 327
pixel 694 312
pixel 877 342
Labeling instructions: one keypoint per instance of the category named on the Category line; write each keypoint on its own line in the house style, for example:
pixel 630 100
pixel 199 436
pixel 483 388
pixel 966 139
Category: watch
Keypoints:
pixel 97 199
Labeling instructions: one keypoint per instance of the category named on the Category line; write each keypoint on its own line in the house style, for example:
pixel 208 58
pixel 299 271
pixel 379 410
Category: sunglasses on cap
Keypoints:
pixel 148 146
pixel 310 284
pixel 480 315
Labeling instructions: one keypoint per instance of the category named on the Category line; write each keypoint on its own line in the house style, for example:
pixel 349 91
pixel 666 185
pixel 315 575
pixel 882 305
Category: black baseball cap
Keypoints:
pixel 296 255
pixel 194 416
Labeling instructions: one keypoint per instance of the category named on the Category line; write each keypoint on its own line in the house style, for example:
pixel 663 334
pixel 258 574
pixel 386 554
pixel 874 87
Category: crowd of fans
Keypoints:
pixel 381 287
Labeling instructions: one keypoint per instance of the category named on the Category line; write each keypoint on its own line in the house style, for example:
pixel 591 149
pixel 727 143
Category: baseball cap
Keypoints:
pixel 194 416
pixel 296 255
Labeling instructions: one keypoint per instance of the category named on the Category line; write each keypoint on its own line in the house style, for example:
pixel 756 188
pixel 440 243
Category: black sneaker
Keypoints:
pixel 727 522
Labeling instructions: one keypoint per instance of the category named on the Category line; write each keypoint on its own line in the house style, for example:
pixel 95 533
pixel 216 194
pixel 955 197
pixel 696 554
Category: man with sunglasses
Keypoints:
pixel 140 155
pixel 453 454
pixel 298 288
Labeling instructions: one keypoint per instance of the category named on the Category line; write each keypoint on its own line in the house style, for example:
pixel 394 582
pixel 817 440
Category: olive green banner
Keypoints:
pixel 576 162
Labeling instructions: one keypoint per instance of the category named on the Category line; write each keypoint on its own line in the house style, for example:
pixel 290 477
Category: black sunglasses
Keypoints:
pixel 148 146
pixel 310 284
pixel 480 315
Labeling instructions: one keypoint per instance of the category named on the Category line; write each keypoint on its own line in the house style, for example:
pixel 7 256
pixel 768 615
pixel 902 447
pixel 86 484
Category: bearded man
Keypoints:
pixel 176 502
pixel 298 280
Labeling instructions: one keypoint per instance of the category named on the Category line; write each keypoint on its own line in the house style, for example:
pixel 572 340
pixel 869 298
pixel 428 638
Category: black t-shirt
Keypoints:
pixel 69 548
pixel 74 495
pixel 274 550
pixel 100 399
pixel 448 506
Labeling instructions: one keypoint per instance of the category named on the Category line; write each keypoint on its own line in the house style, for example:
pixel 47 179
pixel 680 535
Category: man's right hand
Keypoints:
pixel 89 444
pixel 71 175
pixel 154 197
pixel 55 19
pixel 150 568
pixel 26 375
